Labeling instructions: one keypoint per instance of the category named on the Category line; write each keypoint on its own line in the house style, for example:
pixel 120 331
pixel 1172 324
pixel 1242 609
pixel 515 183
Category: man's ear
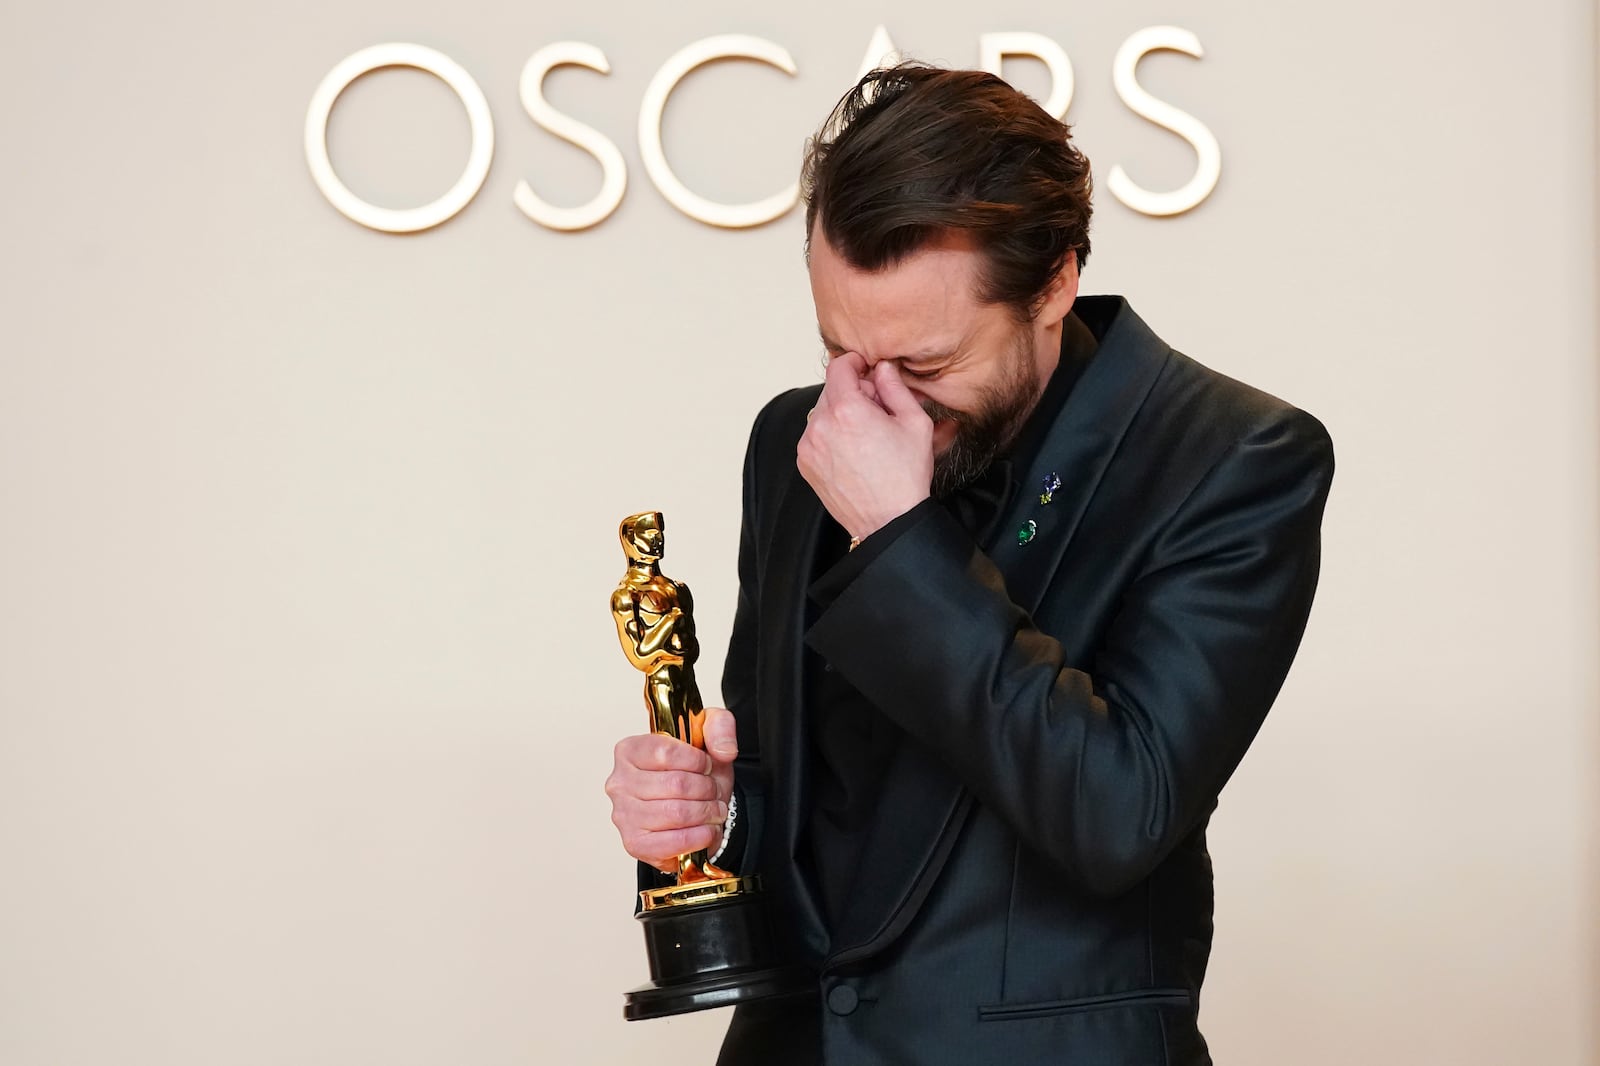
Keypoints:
pixel 1062 291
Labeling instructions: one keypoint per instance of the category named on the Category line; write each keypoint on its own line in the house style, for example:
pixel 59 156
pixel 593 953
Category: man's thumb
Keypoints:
pixel 721 733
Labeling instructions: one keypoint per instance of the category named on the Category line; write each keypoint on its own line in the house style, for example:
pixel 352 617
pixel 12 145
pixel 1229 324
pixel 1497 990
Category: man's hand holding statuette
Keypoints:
pixel 669 798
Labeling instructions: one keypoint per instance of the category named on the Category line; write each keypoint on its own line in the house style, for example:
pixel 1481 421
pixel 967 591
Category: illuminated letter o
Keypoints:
pixel 447 70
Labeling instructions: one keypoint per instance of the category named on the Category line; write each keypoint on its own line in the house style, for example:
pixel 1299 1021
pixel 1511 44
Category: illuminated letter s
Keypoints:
pixel 1208 166
pixel 614 171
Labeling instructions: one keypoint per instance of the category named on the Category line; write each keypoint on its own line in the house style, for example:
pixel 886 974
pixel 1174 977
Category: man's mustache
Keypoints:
pixel 940 413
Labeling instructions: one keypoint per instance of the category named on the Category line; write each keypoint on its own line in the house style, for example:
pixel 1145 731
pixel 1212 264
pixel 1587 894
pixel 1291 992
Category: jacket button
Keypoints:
pixel 842 1000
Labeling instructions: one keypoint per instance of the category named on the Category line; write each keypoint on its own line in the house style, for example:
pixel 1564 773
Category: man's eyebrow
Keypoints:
pixel 926 355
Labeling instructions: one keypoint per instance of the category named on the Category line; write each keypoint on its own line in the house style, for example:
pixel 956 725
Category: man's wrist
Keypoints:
pixel 826 587
pixel 871 526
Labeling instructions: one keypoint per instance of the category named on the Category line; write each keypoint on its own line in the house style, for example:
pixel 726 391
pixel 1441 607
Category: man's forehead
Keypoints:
pixel 922 306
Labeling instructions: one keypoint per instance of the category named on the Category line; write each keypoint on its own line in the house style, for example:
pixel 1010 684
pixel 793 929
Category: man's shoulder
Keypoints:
pixel 785 413
pixel 1201 425
pixel 1191 409
pixel 1184 381
pixel 1218 405
pixel 778 427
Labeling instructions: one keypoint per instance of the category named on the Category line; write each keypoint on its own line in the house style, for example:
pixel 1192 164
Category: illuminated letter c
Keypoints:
pixel 730 216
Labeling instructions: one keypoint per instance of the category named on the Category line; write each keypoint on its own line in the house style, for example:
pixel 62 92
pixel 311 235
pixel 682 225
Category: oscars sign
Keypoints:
pixel 993 48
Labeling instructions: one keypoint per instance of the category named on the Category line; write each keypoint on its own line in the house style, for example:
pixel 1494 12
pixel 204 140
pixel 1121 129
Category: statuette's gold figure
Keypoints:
pixel 655 624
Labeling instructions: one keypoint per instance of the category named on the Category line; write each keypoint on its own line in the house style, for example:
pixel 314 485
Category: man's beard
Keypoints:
pixel 983 433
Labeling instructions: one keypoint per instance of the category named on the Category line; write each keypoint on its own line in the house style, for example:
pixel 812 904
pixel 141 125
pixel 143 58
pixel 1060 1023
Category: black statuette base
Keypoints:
pixel 710 955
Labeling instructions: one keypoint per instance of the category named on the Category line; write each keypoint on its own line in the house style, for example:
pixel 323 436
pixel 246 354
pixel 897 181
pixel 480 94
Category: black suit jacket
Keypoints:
pixel 1036 886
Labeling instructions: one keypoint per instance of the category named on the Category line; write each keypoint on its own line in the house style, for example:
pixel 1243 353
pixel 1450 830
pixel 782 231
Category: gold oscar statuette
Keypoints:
pixel 707 935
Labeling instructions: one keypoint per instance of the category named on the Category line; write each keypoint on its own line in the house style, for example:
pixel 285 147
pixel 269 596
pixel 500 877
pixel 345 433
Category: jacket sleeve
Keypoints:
pixel 1102 766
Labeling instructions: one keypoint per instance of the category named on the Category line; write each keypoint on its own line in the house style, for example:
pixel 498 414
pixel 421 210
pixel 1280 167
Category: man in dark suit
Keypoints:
pixel 1018 585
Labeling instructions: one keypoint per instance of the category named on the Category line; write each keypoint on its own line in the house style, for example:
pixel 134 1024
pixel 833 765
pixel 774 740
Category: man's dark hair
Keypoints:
pixel 914 152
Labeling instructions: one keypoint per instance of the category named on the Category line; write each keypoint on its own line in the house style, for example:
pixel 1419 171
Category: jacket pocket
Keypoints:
pixel 1157 997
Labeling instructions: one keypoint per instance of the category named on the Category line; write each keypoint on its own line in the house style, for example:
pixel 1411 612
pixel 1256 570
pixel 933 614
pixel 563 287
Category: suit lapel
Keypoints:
pixel 923 806
pixel 1077 448
pixel 780 690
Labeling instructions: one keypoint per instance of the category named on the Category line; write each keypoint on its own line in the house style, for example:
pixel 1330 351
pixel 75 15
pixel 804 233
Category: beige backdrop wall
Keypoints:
pixel 306 684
